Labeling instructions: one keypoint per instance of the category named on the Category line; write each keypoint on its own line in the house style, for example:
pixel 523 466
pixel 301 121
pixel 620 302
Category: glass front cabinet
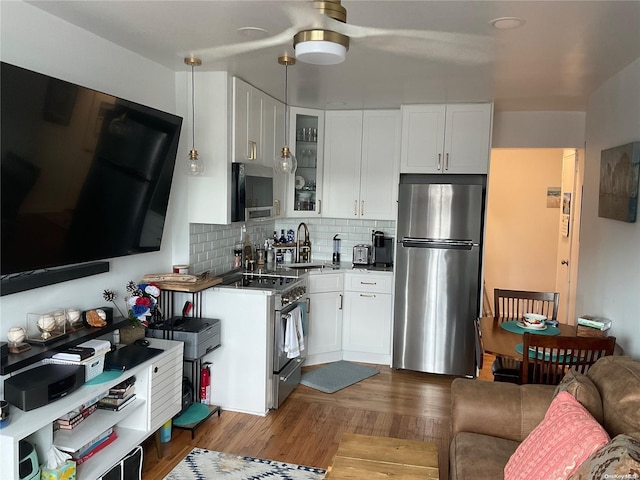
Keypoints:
pixel 306 139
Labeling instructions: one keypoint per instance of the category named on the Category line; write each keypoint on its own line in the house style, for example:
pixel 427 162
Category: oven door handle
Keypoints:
pixel 286 379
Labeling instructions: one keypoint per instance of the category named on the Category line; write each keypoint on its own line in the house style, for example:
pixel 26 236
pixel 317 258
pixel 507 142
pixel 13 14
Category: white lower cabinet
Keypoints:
pixel 324 336
pixel 158 399
pixel 366 334
pixel 350 317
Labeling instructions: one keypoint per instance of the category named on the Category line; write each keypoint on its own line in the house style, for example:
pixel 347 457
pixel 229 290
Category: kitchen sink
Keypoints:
pixel 305 266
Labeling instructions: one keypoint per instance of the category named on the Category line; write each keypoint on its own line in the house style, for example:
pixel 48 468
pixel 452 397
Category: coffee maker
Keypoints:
pixel 382 255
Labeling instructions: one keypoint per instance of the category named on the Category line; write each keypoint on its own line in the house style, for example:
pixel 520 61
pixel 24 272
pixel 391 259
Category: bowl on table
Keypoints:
pixel 534 320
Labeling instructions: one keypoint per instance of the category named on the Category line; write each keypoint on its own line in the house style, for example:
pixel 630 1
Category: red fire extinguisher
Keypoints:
pixel 205 384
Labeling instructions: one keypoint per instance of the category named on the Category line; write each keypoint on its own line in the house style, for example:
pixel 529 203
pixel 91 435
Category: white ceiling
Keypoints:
pixel 564 51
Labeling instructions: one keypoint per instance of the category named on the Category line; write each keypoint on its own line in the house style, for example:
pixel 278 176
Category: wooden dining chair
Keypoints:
pixel 512 305
pixel 546 359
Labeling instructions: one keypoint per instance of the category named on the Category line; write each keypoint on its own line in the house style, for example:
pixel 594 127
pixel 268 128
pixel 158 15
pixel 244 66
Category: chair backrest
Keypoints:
pixel 546 359
pixel 515 303
pixel 479 345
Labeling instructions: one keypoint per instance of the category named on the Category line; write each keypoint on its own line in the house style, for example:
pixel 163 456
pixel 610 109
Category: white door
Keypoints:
pixel 467 138
pixel 380 165
pixel 569 237
pixel 342 156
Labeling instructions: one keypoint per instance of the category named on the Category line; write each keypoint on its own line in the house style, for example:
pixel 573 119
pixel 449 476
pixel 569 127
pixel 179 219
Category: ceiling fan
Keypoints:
pixel 321 35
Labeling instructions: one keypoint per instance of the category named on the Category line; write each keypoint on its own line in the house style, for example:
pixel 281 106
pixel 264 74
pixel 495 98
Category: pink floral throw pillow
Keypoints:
pixel 565 438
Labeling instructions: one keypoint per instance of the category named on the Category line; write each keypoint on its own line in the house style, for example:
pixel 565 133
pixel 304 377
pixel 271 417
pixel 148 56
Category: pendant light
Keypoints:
pixel 286 162
pixel 194 166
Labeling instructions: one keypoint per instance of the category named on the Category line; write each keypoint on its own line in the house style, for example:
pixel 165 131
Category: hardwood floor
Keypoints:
pixel 307 428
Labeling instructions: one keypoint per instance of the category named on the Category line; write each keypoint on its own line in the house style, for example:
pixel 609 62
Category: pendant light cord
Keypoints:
pixel 286 101
pixel 193 112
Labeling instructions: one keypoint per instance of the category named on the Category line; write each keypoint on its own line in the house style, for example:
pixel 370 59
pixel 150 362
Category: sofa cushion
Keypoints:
pixel 566 437
pixel 583 390
pixel 618 380
pixel 620 458
pixel 473 455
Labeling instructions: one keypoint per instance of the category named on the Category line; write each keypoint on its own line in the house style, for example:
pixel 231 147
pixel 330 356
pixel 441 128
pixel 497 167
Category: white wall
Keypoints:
pixel 538 129
pixel 609 267
pixel 521 241
pixel 36 40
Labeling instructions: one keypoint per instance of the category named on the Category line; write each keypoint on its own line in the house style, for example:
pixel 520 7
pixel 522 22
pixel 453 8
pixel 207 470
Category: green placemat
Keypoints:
pixel 105 376
pixel 514 328
pixel 520 347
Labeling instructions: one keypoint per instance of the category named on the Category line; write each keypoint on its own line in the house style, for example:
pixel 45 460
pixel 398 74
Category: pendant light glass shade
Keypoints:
pixel 286 162
pixel 193 166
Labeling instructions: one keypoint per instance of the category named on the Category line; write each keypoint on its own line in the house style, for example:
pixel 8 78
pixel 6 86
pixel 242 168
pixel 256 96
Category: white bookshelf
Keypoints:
pixel 161 374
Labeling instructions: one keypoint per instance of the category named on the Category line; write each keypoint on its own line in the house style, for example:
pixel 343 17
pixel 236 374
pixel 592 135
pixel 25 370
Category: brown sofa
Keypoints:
pixel 490 419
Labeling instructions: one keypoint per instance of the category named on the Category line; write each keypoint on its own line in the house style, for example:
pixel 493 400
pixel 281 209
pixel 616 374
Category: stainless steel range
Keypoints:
pixel 289 291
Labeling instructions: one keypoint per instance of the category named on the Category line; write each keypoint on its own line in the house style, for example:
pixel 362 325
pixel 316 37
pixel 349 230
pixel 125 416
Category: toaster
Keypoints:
pixel 361 254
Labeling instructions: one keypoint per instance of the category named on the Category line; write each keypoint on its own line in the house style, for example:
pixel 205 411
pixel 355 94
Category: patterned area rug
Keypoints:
pixel 203 464
pixel 336 376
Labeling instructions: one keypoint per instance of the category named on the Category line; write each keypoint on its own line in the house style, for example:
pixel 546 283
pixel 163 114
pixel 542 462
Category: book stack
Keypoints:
pixel 72 419
pixel 592 326
pixel 119 396
pixel 94 446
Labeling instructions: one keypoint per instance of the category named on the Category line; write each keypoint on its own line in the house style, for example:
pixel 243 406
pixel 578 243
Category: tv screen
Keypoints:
pixel 85 175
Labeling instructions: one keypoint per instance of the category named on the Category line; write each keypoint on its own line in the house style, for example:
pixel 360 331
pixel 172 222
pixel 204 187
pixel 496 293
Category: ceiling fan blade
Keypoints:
pixel 301 16
pixel 446 46
pixel 225 51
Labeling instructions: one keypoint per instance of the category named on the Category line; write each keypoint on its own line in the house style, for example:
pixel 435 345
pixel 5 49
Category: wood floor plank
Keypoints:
pixel 308 427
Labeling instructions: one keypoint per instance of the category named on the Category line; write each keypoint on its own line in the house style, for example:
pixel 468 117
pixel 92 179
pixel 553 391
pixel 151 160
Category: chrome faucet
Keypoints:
pixel 303 251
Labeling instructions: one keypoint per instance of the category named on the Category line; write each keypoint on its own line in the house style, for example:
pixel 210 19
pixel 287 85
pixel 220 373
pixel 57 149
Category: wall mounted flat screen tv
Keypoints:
pixel 85 175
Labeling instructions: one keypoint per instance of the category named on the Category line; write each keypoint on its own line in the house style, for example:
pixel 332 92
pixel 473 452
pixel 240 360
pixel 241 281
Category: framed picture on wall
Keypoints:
pixel 619 173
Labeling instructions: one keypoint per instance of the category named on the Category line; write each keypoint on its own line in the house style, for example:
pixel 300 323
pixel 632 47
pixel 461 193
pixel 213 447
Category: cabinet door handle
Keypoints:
pixel 254 151
pixel 319 207
pixel 362 208
pixel 308 304
pixel 249 150
pixel 355 208
pixel 276 204
pixel 368 283
pixel 368 296
pixel 340 306
pixel 439 161
pixel 446 162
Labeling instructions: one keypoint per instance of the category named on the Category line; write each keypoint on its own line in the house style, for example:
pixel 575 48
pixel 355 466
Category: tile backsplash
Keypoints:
pixel 211 246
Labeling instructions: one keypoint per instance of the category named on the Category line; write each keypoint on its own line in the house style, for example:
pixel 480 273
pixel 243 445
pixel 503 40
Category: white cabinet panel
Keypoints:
pixel 452 138
pixel 366 330
pixel 422 138
pixel 379 173
pixel 361 164
pixel 343 156
pixel 324 339
pixel 367 324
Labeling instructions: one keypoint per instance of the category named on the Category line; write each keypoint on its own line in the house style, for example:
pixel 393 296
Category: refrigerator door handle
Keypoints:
pixel 437 243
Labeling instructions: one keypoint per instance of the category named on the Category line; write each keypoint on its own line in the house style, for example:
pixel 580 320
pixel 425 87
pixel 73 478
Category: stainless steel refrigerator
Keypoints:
pixel 438 263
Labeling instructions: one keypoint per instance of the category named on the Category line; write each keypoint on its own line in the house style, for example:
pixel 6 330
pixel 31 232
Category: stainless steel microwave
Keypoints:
pixel 251 192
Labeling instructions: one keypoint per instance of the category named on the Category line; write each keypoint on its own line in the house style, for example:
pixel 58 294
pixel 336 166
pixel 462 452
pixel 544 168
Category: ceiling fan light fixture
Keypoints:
pixel 321 47
pixel 506 23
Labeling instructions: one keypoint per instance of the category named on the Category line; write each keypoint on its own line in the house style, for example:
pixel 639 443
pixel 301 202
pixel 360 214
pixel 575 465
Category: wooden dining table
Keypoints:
pixel 498 341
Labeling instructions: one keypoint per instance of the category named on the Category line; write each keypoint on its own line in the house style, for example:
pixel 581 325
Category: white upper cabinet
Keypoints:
pixel 255 134
pixel 247 120
pixel 452 138
pixel 361 163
